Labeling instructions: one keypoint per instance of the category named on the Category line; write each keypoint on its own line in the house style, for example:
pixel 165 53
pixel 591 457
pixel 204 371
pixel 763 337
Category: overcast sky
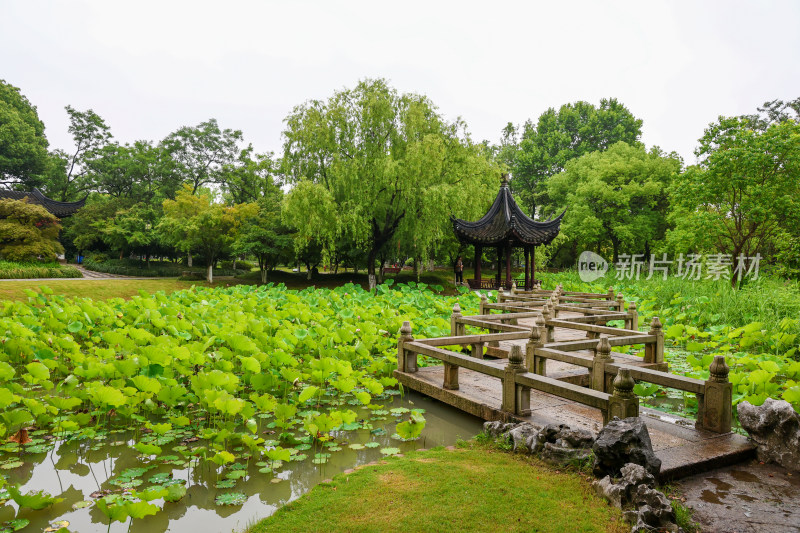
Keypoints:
pixel 149 68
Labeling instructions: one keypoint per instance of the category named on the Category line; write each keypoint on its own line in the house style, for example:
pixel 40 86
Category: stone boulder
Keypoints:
pixel 647 508
pixel 520 436
pixel 497 428
pixel 621 442
pixel 775 428
pixel 555 454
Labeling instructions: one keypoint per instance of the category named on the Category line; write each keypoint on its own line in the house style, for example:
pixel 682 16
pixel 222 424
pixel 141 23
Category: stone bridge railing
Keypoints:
pixel 611 381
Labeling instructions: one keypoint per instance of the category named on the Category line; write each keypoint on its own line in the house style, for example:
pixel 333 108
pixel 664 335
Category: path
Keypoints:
pixel 750 497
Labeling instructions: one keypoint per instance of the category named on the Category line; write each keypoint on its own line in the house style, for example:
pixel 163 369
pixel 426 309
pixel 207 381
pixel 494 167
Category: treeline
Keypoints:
pixel 371 176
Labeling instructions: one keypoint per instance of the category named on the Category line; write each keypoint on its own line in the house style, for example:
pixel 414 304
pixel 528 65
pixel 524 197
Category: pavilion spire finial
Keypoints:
pixel 504 179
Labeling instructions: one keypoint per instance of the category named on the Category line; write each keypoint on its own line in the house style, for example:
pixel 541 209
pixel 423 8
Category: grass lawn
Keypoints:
pixel 474 488
pixel 100 289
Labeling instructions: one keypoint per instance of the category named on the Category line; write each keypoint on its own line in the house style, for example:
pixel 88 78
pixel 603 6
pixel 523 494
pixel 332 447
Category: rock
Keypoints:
pixel 520 436
pixel 557 455
pixel 775 427
pixel 497 428
pixel 655 511
pixel 633 474
pixel 551 431
pixel 575 438
pixel 613 492
pixel 621 442
pixel 536 442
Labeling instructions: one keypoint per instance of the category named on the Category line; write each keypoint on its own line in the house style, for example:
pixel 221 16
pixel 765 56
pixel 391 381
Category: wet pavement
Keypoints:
pixel 748 497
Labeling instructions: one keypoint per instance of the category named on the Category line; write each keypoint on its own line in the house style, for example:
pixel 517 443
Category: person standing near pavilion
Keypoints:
pixel 459 268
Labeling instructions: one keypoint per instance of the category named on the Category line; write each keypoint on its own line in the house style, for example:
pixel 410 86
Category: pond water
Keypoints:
pixel 75 470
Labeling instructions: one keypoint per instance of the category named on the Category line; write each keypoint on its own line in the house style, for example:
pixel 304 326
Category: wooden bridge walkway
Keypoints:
pixel 569 374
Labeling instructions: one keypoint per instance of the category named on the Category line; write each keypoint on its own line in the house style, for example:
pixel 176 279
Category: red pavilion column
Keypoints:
pixel 527 267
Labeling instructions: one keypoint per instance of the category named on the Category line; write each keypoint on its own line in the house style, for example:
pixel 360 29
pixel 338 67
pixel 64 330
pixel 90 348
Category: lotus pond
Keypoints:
pixel 206 408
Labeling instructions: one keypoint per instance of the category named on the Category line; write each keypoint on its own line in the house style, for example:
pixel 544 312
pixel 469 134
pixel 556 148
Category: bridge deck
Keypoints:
pixel 683 449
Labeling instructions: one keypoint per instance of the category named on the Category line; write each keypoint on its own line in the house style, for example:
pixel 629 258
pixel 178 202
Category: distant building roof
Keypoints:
pixel 59 209
pixel 505 222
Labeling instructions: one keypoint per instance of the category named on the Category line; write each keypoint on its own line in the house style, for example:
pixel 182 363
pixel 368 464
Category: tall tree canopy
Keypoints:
pixel 203 152
pixel 372 164
pixel 23 146
pixel 745 192
pixel 617 197
pixel 544 148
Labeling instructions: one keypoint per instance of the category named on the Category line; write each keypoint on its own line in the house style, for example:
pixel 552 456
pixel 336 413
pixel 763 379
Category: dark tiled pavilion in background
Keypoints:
pixel 59 209
pixel 505 227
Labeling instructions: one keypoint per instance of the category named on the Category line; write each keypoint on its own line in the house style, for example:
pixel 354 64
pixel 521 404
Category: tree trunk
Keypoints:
pixel 234 262
pixel 264 275
pixel 189 259
pixel 210 272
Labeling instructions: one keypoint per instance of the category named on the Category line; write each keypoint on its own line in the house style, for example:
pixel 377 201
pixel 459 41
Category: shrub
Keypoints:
pixel 28 231
pixel 35 269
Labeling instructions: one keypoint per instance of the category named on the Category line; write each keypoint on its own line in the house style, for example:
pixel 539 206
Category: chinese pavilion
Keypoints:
pixel 505 227
pixel 59 209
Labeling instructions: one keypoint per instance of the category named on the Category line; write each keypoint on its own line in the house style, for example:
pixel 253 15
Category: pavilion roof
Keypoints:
pixel 59 209
pixel 505 222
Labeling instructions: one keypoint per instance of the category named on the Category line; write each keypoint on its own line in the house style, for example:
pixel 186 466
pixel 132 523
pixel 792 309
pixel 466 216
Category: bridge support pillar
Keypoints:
pixel 602 357
pixel 654 353
pixel 516 398
pixel 406 360
pixel 533 362
pixel 623 403
pixel 450 377
pixel 714 410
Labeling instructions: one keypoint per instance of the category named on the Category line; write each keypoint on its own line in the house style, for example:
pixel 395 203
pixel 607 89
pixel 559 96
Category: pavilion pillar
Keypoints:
pixel 533 264
pixel 478 254
pixel 508 264
pixel 499 264
pixel 527 268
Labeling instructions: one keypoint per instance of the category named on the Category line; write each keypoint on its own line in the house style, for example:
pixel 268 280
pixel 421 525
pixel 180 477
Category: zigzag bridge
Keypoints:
pixel 547 357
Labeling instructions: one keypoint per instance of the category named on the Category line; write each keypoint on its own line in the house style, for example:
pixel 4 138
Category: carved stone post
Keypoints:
pixel 477 350
pixel 602 357
pixel 541 327
pixel 610 294
pixel 633 317
pixel 482 309
pixel 456 329
pixel 516 398
pixel 620 303
pixel 550 330
pixel 623 403
pixel 406 361
pixel 513 287
pixel 654 353
pixel 450 376
pixel 533 362
pixel 715 406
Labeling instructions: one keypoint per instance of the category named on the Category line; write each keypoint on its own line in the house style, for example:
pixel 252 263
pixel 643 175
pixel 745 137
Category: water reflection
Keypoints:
pixel 76 470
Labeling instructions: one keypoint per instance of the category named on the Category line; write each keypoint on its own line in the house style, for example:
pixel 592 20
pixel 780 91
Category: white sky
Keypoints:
pixel 149 68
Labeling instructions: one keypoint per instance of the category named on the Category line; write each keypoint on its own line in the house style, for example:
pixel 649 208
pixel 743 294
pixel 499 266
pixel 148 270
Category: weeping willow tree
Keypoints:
pixel 378 167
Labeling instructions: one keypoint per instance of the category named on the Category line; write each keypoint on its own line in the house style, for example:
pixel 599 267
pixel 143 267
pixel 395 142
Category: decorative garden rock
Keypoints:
pixel 554 454
pixel 575 438
pixel 775 427
pixel 497 428
pixel 520 436
pixel 621 442
pixel 647 508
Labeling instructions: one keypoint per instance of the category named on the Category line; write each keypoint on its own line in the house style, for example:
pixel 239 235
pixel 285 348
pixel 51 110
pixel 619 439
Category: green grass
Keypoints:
pixel 157 269
pixel 474 488
pixel 36 269
pixel 101 289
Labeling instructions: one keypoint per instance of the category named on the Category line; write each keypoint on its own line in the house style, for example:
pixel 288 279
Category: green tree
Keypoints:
pixel 250 178
pixel 370 164
pixel 195 223
pixel 28 231
pixel 560 136
pixel 615 197
pixel 202 153
pixel 23 146
pixel 744 193
pixel 71 177
pixel 263 234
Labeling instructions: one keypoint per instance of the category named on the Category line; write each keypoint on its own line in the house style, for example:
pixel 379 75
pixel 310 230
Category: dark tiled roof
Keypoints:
pixel 59 209
pixel 505 221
